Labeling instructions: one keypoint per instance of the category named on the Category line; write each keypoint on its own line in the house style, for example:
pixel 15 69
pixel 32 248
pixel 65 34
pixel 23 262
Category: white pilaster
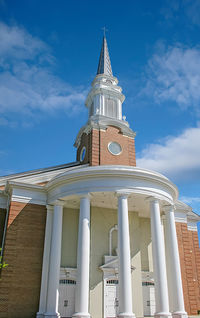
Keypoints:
pixel 102 105
pixel 54 263
pixel 125 289
pixel 45 264
pixel 159 265
pixel 119 109
pixel 83 260
pixel 174 270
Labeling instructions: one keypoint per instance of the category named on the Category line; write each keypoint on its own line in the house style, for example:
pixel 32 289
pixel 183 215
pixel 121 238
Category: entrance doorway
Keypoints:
pixel 66 306
pixel 111 298
pixel 149 303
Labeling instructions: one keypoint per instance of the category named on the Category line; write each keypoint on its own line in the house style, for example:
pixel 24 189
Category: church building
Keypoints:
pixel 100 236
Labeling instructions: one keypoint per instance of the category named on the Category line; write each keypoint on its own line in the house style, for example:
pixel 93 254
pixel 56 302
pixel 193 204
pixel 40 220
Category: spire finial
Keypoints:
pixel 104 31
pixel 104 66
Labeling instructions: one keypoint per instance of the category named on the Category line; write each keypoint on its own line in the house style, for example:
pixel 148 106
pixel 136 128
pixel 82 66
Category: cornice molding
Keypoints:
pixel 113 178
pixel 26 193
pixel 104 90
pixel 100 122
pixel 192 225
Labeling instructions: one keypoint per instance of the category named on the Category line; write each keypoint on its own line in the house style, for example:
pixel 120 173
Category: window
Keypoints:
pixel 112 281
pixel 67 281
pixel 110 108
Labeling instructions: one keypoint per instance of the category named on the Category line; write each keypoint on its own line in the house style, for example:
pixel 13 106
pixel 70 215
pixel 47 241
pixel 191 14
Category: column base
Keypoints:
pixel 81 315
pixel 40 315
pixel 51 315
pixel 163 315
pixel 179 314
pixel 126 315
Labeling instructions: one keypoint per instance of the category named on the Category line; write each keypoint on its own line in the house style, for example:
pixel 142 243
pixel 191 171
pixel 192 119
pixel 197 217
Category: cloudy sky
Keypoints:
pixel 48 57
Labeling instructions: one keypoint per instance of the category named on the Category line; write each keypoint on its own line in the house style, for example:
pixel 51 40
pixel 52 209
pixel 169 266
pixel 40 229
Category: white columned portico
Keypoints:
pixel 54 262
pixel 173 261
pixel 125 288
pixel 45 264
pixel 83 260
pixel 159 264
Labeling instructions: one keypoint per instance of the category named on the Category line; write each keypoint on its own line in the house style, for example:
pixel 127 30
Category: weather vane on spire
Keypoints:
pixel 104 31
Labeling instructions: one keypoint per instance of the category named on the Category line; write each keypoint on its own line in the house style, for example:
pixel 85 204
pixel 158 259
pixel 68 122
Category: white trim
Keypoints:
pixel 114 142
pixel 27 193
pixel 99 122
pixel 192 225
pixel 111 178
pixel 180 217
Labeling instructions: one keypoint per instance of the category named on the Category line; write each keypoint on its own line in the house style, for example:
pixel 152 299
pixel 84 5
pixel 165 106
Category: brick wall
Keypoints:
pixel 127 157
pixel 190 267
pixel 85 141
pixel 20 281
pixel 97 153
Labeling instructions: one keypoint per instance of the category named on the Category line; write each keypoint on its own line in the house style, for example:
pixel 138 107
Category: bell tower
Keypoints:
pixel 106 139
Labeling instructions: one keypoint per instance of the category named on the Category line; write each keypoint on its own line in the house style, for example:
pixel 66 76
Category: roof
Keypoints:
pixel 104 66
pixel 39 175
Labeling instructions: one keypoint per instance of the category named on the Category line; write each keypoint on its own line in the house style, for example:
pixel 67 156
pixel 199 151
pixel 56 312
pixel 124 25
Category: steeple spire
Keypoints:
pixel 104 66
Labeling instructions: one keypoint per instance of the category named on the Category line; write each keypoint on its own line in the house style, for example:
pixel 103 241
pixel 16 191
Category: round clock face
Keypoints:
pixel 114 148
pixel 82 155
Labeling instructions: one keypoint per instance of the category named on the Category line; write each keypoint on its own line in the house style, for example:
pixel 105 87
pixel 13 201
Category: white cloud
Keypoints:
pixel 27 82
pixel 18 44
pixel 173 74
pixel 176 157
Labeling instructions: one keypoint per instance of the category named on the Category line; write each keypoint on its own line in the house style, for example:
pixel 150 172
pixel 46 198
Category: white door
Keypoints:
pixel 148 290
pixel 111 299
pixel 66 306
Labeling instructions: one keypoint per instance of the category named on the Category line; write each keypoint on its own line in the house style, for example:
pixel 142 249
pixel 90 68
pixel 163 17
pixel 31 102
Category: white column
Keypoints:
pixel 83 260
pixel 174 270
pixel 159 264
pixel 125 288
pixel 54 263
pixel 45 264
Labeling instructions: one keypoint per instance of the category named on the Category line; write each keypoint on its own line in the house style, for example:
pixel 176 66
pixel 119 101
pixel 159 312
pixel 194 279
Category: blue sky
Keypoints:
pixel 48 58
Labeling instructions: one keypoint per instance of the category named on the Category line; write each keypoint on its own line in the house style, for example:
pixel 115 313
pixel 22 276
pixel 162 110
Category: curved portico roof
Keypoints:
pixel 111 178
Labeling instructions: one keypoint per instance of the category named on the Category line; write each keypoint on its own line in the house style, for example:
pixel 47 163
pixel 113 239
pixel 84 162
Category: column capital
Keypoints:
pixel 152 199
pixel 49 207
pixel 122 193
pixel 168 208
pixel 85 195
pixel 59 202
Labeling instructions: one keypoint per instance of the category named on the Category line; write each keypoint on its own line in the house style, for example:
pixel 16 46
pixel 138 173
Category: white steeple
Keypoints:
pixel 105 97
pixel 104 66
pixel 104 100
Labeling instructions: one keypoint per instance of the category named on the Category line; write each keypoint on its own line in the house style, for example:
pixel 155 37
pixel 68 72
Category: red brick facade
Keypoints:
pixel 20 281
pixel 190 267
pixel 96 143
